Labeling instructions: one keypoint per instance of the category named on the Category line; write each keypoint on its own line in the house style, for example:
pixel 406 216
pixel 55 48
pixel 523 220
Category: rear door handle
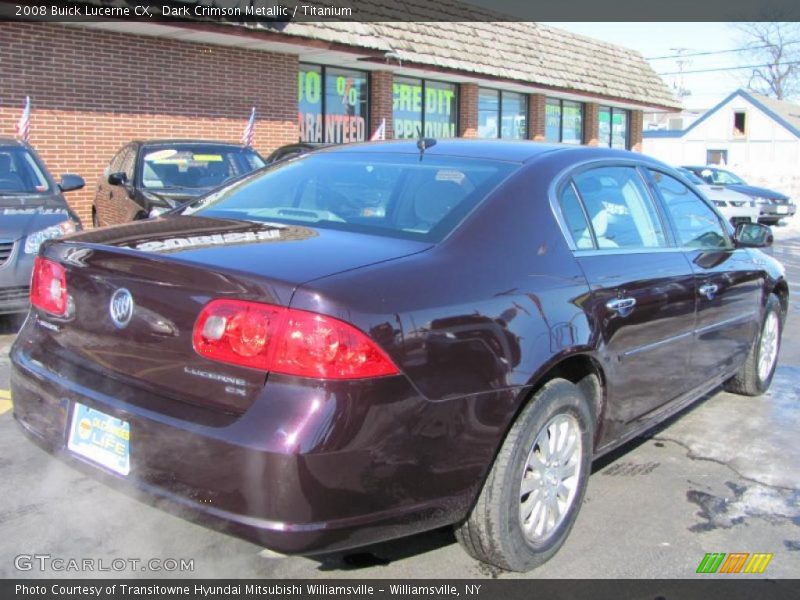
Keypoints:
pixel 708 290
pixel 622 306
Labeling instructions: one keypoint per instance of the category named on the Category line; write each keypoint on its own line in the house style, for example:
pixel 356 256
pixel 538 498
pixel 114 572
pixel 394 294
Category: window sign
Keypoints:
pixel 332 104
pixel 563 121
pixel 427 107
pixel 612 127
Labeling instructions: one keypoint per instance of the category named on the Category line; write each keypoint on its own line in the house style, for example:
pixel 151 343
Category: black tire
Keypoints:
pixel 493 532
pixel 747 380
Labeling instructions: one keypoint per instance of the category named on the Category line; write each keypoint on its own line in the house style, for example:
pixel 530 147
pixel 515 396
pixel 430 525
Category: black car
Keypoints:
pixel 773 205
pixel 146 179
pixel 374 340
pixel 32 210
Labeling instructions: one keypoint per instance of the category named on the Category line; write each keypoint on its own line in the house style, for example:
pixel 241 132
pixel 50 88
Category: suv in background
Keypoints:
pixel 734 206
pixel 32 210
pixel 773 206
pixel 146 179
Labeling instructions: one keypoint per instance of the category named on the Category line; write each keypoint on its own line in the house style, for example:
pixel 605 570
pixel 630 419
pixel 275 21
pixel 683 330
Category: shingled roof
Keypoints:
pixel 420 33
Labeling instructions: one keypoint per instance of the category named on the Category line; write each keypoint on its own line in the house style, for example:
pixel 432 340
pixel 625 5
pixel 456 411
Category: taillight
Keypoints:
pixel 285 340
pixel 49 287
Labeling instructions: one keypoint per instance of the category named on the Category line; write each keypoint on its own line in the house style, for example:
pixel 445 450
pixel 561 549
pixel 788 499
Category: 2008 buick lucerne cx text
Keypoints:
pixel 375 340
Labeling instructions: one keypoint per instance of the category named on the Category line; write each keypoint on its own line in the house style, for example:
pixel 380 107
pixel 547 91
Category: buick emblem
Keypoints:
pixel 121 308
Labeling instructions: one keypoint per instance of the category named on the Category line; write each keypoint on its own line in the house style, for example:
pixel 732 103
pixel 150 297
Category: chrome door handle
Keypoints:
pixel 622 306
pixel 708 290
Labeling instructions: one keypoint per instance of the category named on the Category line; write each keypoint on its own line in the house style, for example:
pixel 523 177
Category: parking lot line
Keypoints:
pixel 5 401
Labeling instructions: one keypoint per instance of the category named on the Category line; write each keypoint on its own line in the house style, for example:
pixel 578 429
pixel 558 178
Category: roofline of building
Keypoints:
pixel 677 133
pixel 376 58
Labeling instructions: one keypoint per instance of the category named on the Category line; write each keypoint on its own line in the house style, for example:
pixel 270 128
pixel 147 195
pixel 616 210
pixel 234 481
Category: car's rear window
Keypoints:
pixel 395 195
pixel 20 172
pixel 194 165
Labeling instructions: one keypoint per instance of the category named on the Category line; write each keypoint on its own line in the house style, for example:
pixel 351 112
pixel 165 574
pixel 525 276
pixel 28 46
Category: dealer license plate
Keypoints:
pixel 783 210
pixel 101 438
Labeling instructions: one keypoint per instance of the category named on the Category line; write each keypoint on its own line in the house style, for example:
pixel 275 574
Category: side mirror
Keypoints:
pixel 117 178
pixel 752 235
pixel 70 182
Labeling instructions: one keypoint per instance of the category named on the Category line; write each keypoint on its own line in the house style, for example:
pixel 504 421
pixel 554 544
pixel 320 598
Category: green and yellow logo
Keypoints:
pixel 735 562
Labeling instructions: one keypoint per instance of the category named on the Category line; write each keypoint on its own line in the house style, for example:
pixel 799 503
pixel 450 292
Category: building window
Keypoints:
pixel 612 127
pixel 332 104
pixel 424 106
pixel 739 122
pixel 717 157
pixel 563 121
pixel 502 114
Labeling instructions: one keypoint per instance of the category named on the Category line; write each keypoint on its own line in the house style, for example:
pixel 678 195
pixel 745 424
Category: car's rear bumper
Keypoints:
pixel 308 468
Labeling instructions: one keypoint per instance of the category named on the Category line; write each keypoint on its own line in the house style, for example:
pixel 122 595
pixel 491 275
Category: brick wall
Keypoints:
pixel 635 127
pixel 536 113
pixel 590 124
pixel 380 102
pixel 93 91
pixel 468 110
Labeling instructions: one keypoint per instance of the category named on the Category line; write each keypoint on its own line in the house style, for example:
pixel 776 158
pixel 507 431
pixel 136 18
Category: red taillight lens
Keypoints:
pixel 284 340
pixel 49 287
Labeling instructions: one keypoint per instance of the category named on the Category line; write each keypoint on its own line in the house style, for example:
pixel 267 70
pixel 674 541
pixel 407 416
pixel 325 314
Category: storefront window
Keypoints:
pixel 422 106
pixel 612 127
pixel 332 104
pixel 563 121
pixel 502 114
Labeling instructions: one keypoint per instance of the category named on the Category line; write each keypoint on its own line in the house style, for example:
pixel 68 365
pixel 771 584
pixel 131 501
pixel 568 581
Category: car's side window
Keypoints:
pixel 621 211
pixel 575 218
pixel 696 223
pixel 114 165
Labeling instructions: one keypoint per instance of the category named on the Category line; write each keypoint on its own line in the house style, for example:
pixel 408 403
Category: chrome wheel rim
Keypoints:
pixel 768 351
pixel 550 478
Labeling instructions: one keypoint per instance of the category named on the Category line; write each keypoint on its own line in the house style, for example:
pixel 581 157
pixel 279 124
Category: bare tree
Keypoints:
pixel 774 50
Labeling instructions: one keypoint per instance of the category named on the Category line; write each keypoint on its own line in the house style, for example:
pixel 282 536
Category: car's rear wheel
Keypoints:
pixel 534 491
pixel 755 375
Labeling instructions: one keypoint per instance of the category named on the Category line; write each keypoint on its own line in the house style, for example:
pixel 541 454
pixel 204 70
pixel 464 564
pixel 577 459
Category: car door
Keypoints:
pixel 131 206
pixel 642 290
pixel 728 282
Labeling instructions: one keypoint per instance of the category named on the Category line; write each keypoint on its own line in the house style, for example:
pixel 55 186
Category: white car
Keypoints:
pixel 734 206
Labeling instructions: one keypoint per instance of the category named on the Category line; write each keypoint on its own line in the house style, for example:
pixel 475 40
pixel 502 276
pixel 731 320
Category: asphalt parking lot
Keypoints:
pixel 723 476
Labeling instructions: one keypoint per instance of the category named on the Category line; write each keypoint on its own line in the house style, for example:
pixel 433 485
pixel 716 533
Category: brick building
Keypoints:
pixel 96 85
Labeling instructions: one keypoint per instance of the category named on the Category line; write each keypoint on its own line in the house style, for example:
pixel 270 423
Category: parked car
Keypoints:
pixel 370 341
pixel 146 179
pixel 32 209
pixel 773 206
pixel 734 206
pixel 292 150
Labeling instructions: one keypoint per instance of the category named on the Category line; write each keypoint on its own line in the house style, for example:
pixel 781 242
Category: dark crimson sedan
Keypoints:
pixel 374 340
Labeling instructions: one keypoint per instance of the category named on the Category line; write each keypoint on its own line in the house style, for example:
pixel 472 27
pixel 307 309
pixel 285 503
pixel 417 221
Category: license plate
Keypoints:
pixel 100 438
pixel 783 210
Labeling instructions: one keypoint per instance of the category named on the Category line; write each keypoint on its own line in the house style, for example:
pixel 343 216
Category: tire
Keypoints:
pixel 754 377
pixel 494 532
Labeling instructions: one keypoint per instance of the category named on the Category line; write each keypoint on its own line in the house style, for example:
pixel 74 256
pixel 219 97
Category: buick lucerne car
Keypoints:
pixel 734 206
pixel 374 340
pixel 146 179
pixel 773 206
pixel 32 209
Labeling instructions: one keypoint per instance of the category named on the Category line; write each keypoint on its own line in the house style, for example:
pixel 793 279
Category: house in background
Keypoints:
pixel 755 136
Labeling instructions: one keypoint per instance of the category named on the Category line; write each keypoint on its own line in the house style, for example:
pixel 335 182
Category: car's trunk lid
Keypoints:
pixel 172 268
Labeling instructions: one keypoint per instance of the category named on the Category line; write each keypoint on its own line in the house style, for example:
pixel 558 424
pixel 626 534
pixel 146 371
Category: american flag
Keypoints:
pixel 380 132
pixel 24 123
pixel 250 130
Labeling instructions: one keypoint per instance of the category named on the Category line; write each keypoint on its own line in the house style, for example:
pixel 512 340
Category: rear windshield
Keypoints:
pixel 194 165
pixel 395 195
pixel 20 173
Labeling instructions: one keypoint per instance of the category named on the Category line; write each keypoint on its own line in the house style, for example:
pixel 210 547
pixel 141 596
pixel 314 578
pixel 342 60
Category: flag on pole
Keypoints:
pixel 250 130
pixel 380 132
pixel 24 123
